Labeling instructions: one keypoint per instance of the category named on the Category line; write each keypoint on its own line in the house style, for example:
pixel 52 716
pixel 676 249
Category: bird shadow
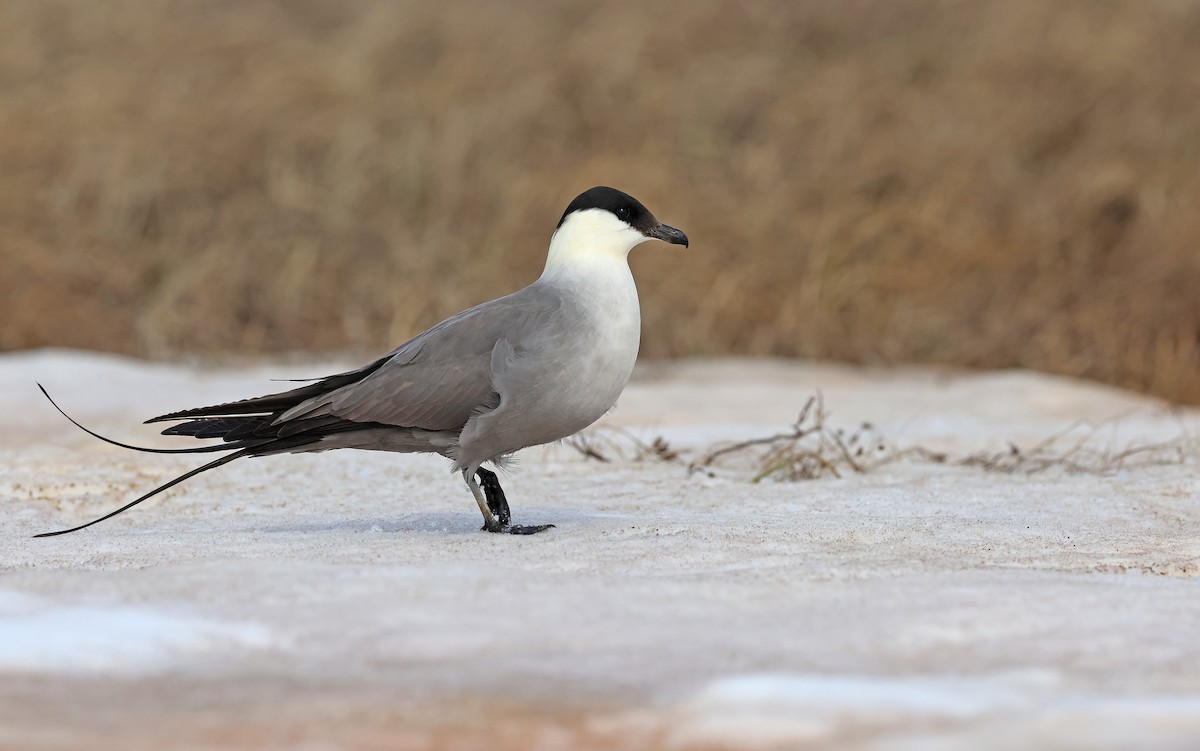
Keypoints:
pixel 435 522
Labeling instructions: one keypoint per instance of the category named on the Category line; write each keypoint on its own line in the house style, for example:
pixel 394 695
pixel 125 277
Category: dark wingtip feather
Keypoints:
pixel 265 405
pixel 217 410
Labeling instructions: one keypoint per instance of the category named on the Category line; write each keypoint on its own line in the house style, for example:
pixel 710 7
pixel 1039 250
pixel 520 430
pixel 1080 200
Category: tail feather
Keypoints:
pixel 94 434
pixel 211 465
pixel 258 449
pixel 247 428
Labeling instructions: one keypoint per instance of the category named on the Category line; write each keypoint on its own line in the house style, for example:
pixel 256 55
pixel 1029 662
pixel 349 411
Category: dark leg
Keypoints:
pixel 498 505
pixel 496 501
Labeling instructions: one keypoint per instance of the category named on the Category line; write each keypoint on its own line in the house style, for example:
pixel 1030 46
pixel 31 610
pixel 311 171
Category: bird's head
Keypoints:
pixel 604 223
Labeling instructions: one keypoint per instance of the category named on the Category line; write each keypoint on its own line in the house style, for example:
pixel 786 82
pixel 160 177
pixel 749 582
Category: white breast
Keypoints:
pixel 580 377
pixel 610 327
pixel 588 262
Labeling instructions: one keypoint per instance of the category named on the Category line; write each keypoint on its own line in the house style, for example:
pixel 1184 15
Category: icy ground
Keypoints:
pixel 348 600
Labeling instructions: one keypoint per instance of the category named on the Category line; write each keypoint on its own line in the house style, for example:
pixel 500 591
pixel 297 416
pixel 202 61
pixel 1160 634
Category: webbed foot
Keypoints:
pixel 515 529
pixel 498 505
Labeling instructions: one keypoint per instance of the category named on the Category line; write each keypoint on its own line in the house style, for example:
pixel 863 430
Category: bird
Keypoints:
pixel 530 368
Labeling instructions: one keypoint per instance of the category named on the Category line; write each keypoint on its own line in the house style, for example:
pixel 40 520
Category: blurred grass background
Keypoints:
pixel 995 183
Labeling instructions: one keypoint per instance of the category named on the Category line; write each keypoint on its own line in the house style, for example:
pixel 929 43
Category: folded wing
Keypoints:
pixel 435 382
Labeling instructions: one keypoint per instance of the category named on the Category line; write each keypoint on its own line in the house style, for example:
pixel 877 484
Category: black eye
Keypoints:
pixel 623 213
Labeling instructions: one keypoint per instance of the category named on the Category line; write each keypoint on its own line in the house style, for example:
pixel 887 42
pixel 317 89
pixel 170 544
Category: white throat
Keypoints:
pixel 588 262
pixel 591 242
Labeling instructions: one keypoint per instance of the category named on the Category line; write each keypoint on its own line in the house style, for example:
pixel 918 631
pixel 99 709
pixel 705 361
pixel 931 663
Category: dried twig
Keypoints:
pixel 811 449
pixel 808 451
pixel 604 443
pixel 1079 456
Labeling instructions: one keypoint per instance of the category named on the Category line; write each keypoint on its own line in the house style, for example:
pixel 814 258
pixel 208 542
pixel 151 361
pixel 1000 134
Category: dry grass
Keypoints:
pixel 811 449
pixel 993 183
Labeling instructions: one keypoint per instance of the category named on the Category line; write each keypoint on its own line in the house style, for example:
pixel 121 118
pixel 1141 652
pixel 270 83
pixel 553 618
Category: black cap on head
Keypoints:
pixel 622 205
pixel 626 208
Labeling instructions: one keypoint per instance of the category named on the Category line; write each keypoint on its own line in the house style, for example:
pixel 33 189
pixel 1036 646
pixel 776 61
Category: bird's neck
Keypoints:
pixel 594 268
pixel 590 246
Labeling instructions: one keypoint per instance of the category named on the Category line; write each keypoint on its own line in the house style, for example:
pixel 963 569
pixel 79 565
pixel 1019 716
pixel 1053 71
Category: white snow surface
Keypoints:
pixel 348 600
pixel 39 635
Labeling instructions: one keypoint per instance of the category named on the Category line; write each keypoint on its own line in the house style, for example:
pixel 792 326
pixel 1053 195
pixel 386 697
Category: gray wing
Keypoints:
pixel 438 379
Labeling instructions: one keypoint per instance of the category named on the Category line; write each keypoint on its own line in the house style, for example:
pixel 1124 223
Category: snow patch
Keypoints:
pixel 790 692
pixel 780 708
pixel 39 635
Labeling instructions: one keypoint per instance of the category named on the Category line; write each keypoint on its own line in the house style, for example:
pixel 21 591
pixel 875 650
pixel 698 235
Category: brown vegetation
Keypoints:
pixel 812 449
pixel 995 183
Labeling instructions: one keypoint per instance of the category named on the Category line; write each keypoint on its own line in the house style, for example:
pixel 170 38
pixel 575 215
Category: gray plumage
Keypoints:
pixel 529 368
